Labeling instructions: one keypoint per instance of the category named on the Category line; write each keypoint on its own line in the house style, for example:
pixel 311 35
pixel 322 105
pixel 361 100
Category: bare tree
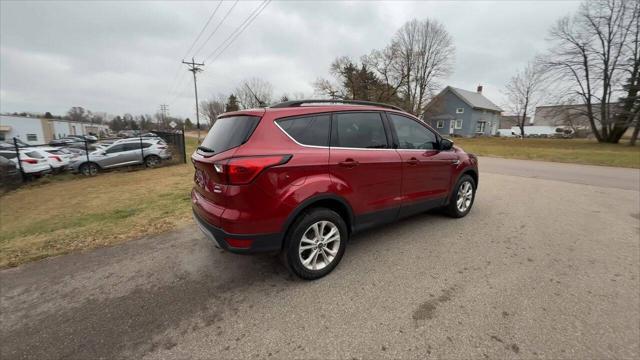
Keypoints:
pixel 524 92
pixel 404 73
pixel 425 53
pixel 254 93
pixel 211 108
pixel 78 113
pixel 590 53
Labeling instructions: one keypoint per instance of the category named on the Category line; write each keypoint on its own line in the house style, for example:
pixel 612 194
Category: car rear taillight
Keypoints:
pixel 55 157
pixel 162 146
pixel 243 170
pixel 29 161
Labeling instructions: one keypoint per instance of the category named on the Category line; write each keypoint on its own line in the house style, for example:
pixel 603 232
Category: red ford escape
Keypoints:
pixel 301 177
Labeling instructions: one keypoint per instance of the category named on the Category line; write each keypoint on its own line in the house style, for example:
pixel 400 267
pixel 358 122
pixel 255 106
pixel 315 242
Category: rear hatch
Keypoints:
pixel 224 138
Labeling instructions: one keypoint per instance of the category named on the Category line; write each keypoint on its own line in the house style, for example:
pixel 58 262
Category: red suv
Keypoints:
pixel 301 177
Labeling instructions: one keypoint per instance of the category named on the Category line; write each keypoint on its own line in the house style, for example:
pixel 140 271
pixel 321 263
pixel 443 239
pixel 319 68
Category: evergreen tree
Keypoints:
pixel 232 104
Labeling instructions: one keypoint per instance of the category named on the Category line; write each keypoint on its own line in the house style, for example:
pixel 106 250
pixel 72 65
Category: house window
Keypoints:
pixel 460 111
pixel 480 126
pixel 458 124
pixel 32 137
pixel 2 138
pixel 440 124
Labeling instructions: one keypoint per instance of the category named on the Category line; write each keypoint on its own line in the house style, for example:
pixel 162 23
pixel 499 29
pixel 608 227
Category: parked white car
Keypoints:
pixel 33 163
pixel 58 160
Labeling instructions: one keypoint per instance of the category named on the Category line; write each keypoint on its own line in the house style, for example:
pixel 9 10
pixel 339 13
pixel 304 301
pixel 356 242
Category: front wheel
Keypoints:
pixel 151 161
pixel 315 243
pixel 462 197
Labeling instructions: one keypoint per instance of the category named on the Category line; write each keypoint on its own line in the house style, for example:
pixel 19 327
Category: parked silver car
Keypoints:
pixel 149 152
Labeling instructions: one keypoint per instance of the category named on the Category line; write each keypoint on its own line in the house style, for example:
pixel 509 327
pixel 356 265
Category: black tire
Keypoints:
pixel 89 169
pixel 452 209
pixel 291 252
pixel 152 161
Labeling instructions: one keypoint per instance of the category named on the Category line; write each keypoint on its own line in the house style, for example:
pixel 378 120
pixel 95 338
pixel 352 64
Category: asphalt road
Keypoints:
pixel 539 269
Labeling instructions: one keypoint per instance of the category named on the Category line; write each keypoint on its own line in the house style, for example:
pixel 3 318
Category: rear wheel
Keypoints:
pixel 152 161
pixel 462 197
pixel 89 169
pixel 315 243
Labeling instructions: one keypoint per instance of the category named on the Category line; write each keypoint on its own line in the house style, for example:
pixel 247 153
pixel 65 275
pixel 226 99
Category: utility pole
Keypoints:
pixel 194 68
pixel 164 108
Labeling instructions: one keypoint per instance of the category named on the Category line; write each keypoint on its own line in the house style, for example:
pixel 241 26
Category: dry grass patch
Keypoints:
pixel 82 213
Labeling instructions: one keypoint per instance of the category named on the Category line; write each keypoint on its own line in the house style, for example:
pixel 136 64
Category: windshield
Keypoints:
pixel 229 132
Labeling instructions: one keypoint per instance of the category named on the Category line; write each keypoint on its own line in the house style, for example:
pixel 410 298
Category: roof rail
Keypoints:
pixel 297 103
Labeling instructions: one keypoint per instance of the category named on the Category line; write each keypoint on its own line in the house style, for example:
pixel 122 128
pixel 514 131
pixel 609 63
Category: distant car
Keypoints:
pixel 58 160
pixel 148 134
pixel 10 145
pixel 89 138
pixel 124 154
pixel 138 139
pixel 33 164
pixel 9 174
pixel 67 141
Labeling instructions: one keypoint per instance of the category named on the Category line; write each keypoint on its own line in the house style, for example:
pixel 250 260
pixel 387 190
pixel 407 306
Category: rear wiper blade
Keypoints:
pixel 205 149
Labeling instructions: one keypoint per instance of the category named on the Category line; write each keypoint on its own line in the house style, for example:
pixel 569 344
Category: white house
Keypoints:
pixel 33 130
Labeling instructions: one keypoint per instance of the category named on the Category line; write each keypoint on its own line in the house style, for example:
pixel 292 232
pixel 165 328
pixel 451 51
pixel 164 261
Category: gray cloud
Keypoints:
pixel 122 56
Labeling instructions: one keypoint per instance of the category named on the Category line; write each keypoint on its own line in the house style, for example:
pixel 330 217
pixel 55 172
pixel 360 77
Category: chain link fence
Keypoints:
pixel 86 155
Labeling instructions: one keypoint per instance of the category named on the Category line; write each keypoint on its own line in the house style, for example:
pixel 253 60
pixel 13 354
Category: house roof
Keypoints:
pixel 474 99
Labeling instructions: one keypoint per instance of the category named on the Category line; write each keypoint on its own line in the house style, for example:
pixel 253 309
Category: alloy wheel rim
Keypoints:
pixel 319 245
pixel 465 196
pixel 152 162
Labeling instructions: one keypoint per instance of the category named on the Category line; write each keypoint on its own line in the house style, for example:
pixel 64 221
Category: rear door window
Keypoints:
pixel 229 132
pixel 359 130
pixel 132 146
pixel 115 149
pixel 308 130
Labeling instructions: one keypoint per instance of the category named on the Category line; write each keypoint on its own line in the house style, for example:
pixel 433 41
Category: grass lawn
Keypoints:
pixel 580 151
pixel 58 216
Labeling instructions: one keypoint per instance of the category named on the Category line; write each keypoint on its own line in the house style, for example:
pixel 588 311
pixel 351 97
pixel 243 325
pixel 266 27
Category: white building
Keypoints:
pixel 35 131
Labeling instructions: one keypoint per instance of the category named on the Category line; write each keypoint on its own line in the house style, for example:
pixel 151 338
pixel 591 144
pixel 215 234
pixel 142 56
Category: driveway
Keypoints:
pixel 540 268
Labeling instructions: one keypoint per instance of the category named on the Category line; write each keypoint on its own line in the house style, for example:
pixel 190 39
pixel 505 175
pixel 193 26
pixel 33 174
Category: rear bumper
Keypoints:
pixel 261 243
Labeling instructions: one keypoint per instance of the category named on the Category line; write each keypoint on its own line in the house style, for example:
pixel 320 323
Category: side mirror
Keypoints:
pixel 446 144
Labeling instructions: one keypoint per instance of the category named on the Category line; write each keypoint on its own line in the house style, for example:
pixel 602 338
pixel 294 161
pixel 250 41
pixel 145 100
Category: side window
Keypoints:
pixel 359 130
pixel 132 146
pixel 308 130
pixel 115 149
pixel 412 135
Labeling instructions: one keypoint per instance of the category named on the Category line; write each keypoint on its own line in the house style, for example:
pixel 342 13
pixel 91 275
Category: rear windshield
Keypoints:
pixel 8 154
pixel 229 132
pixel 34 154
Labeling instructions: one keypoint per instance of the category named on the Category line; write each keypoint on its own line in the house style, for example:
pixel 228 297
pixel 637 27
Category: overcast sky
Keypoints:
pixel 124 57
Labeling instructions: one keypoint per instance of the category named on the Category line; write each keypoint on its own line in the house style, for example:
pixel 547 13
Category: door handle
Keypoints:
pixel 350 163
pixel 413 161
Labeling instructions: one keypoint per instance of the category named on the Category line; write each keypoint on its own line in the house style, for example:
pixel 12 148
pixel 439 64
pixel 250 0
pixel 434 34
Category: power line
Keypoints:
pixel 203 29
pixel 238 31
pixel 217 27
pixel 176 76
